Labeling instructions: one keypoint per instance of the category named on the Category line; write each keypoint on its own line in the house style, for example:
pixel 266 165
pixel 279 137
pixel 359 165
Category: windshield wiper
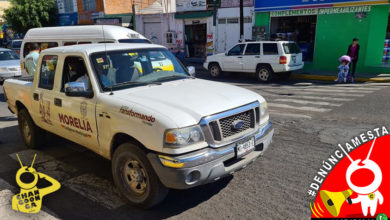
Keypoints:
pixel 173 77
pixel 133 84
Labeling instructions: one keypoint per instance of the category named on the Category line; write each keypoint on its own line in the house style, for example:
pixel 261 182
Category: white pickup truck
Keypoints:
pixel 160 126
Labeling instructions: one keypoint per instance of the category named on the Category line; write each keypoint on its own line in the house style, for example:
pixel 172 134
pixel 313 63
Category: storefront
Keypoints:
pixel 324 30
pixel 198 28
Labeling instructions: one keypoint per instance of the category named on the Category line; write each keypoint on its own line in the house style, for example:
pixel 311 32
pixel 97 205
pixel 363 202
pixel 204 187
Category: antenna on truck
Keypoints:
pixel 105 51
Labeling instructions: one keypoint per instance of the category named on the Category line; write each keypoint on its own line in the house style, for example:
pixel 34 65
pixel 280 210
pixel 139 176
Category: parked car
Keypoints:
pixel 161 129
pixel 15 45
pixel 265 58
pixel 9 64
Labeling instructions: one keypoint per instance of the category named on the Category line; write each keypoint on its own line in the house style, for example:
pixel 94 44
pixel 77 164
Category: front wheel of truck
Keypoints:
pixel 32 135
pixel 135 177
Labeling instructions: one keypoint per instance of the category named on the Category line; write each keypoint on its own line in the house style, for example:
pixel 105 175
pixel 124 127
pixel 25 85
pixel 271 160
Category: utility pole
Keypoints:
pixel 133 9
pixel 241 20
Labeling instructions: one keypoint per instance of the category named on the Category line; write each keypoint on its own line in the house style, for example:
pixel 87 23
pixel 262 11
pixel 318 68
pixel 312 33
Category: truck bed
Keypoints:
pixel 18 90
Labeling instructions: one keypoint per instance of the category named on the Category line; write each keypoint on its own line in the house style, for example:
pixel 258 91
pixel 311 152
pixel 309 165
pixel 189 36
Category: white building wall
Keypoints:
pixel 228 34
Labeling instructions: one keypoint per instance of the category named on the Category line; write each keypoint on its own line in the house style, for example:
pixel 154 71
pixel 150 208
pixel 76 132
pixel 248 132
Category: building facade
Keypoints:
pixel 325 29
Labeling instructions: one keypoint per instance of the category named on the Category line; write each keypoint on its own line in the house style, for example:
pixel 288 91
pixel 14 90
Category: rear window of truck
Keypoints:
pixel 291 48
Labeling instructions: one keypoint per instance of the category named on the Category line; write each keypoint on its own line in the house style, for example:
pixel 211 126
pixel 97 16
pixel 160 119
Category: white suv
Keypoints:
pixel 264 58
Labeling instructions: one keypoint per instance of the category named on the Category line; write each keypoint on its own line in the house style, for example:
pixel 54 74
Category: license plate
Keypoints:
pixel 245 147
pixel 294 58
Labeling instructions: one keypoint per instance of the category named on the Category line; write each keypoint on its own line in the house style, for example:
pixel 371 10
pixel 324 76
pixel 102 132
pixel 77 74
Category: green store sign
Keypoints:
pixel 321 11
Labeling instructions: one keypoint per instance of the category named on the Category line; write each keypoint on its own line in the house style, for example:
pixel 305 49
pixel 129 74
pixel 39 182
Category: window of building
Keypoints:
pixel 89 5
pixel 252 49
pixel 48 69
pixel 248 20
pixel 222 21
pixel 237 50
pixel 232 20
pixel 270 49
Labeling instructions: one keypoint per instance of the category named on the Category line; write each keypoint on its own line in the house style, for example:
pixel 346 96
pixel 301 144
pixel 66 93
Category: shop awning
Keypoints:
pixel 195 14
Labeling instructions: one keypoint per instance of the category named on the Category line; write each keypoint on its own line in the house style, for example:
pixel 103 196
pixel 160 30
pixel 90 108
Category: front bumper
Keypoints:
pixel 210 164
pixel 9 76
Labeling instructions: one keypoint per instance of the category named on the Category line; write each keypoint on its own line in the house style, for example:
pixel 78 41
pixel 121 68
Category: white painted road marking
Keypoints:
pixel 305 102
pixel 303 108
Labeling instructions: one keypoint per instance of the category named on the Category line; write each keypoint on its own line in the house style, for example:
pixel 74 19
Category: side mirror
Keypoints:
pixel 191 70
pixel 77 89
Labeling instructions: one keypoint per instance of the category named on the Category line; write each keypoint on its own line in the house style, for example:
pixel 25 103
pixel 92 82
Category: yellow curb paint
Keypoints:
pixel 333 78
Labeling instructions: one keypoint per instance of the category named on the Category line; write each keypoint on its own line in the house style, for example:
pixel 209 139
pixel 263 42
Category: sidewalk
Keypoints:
pixel 328 76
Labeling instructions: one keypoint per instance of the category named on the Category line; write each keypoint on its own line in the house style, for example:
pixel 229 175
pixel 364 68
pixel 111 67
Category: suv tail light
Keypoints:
pixel 283 60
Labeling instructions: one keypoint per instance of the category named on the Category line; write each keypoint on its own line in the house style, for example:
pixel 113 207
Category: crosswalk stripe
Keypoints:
pixel 301 108
pixel 305 102
pixel 96 189
pixel 320 90
pixel 291 93
pixel 292 115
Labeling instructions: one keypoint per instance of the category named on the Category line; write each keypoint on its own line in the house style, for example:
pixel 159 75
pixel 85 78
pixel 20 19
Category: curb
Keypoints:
pixel 333 78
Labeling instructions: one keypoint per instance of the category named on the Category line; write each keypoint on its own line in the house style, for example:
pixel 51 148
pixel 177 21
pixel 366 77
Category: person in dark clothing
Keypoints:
pixel 353 52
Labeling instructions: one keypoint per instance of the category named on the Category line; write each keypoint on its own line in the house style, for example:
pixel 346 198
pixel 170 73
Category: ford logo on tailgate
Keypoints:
pixel 237 124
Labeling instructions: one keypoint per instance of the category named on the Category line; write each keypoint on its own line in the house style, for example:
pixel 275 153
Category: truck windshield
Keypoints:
pixel 128 68
pixel 291 48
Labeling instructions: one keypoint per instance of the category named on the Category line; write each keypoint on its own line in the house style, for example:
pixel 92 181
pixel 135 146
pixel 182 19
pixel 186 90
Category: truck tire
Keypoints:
pixel 32 135
pixel 214 70
pixel 135 178
pixel 264 74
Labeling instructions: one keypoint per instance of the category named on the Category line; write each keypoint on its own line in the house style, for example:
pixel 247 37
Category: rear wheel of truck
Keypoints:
pixel 135 177
pixel 264 74
pixel 32 135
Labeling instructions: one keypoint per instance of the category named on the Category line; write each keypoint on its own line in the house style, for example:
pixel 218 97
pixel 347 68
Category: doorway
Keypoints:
pixel 196 39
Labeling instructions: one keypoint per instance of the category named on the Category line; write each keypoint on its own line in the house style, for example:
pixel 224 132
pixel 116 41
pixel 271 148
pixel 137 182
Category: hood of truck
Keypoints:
pixel 187 101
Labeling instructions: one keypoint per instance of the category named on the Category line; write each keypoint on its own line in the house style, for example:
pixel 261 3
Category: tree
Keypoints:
pixel 26 14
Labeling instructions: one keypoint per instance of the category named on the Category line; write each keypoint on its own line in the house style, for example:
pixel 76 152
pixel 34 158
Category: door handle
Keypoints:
pixel 36 96
pixel 58 102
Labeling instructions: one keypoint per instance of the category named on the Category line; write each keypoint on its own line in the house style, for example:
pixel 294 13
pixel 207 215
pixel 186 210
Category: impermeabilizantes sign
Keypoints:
pixel 321 11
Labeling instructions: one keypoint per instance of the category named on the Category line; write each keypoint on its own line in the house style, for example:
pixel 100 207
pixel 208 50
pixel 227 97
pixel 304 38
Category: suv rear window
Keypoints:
pixel 270 49
pixel 291 48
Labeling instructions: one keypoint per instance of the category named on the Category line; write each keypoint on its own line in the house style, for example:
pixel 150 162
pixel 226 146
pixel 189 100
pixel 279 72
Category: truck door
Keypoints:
pixel 76 115
pixel 251 57
pixel 233 59
pixel 43 94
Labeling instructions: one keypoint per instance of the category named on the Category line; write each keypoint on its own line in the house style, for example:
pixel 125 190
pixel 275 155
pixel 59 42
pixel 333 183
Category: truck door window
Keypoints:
pixel 69 43
pixel 252 49
pixel 237 50
pixel 270 49
pixel 47 72
pixel 75 71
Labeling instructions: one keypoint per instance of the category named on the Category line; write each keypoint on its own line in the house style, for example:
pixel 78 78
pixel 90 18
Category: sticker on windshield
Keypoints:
pixel 100 60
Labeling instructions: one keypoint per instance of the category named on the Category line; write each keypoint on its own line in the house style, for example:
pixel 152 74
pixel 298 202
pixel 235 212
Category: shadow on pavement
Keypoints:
pixel 8 119
pixel 177 201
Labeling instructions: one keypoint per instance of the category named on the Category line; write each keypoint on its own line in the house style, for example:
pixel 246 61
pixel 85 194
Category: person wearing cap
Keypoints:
pixel 353 52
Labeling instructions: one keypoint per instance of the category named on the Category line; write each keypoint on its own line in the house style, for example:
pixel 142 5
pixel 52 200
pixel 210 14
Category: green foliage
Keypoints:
pixel 26 14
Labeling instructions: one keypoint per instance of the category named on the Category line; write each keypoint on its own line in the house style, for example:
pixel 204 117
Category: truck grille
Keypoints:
pixel 226 129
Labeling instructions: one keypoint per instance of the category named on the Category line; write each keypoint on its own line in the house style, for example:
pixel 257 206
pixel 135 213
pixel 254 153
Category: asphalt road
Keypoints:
pixel 310 119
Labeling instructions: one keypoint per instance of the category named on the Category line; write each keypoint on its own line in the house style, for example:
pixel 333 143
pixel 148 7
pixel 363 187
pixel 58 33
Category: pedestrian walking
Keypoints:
pixel 344 74
pixel 31 59
pixel 353 52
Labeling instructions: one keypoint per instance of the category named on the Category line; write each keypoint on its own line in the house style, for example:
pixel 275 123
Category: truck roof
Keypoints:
pixel 82 32
pixel 93 48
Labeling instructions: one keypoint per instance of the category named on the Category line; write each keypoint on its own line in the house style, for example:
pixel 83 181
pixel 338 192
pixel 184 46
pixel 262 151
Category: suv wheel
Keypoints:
pixel 32 135
pixel 215 70
pixel 264 74
pixel 135 177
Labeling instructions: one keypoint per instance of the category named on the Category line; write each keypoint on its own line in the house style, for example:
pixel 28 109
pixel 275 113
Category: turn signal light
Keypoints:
pixel 283 60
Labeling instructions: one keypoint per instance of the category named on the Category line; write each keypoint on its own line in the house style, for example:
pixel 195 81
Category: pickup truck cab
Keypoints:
pixel 264 58
pixel 160 126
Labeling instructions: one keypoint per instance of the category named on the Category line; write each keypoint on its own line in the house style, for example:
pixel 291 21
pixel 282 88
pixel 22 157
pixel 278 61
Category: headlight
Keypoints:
pixel 183 136
pixel 263 111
